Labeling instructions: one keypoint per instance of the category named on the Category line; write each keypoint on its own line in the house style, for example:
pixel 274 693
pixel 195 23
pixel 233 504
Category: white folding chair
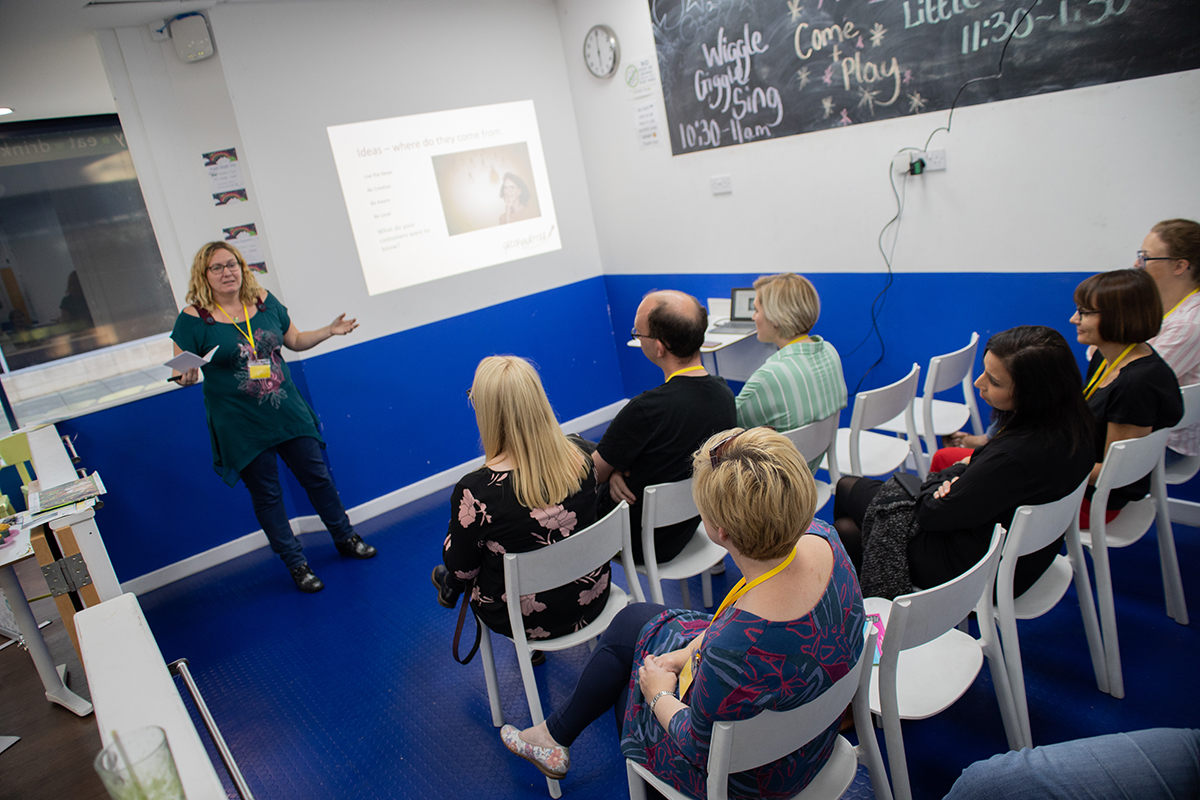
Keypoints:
pixel 547 568
pixel 870 453
pixel 814 439
pixel 940 417
pixel 927 663
pixel 1185 512
pixel 666 504
pixel 749 743
pixel 1032 528
pixel 1127 461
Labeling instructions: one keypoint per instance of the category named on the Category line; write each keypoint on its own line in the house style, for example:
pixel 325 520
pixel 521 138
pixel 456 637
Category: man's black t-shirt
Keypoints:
pixel 653 438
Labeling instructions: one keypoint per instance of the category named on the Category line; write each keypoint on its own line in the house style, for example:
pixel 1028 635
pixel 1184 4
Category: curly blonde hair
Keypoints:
pixel 200 292
pixel 515 418
pixel 761 492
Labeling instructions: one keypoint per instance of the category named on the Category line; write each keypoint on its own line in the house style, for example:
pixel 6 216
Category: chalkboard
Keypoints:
pixel 736 71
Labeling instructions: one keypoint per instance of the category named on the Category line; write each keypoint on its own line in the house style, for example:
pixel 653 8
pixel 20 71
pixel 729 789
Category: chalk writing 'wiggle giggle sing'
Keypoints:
pixel 720 91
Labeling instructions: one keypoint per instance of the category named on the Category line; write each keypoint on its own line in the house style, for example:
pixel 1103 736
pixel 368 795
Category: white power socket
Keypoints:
pixel 721 184
pixel 934 159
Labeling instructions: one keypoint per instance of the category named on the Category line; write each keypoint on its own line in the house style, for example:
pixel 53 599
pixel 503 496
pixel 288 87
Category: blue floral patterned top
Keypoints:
pixel 748 665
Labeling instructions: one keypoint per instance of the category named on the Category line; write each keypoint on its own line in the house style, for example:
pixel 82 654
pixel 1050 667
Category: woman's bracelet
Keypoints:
pixel 659 696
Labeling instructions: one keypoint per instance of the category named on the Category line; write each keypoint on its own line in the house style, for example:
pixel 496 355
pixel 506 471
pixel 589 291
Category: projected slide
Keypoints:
pixel 433 195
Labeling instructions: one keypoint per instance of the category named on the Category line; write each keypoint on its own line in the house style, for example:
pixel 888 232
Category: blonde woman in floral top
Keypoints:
pixel 536 487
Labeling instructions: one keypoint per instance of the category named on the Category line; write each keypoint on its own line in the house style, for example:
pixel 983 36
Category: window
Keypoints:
pixel 80 269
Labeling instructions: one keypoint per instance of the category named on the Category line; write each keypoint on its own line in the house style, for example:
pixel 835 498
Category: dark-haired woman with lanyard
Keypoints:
pixel 1129 389
pixel 254 410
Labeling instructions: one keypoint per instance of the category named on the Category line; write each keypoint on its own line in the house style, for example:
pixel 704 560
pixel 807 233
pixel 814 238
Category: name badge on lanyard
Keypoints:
pixel 260 369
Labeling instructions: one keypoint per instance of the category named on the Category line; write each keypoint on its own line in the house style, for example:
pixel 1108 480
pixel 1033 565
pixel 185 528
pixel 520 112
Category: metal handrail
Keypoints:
pixel 180 668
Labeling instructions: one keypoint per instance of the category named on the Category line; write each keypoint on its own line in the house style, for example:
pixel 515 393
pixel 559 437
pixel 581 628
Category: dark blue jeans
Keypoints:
pixel 604 682
pixel 261 476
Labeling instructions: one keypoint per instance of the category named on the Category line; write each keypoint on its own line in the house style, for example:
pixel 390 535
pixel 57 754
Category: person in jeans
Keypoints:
pixel 254 410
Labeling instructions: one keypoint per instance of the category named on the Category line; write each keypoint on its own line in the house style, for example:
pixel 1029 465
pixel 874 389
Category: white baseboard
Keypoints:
pixel 311 523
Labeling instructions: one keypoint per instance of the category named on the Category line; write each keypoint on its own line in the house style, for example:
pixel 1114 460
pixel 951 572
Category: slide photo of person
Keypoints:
pixel 486 187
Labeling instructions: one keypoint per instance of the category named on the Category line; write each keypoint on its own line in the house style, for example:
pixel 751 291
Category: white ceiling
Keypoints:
pixel 50 64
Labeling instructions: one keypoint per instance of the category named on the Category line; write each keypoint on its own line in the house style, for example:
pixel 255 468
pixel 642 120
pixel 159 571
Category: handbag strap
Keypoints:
pixel 458 629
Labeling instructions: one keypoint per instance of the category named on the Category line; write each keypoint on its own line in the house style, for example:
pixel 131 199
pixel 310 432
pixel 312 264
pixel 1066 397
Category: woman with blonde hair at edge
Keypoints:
pixel 793 623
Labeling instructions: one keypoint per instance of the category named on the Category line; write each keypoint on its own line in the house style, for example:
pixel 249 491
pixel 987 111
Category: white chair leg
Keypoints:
pixel 706 588
pixel 1108 621
pixel 1013 729
pixel 1011 653
pixel 1087 609
pixel 687 597
pixel 489 674
pixel 894 737
pixel 1169 560
pixel 637 787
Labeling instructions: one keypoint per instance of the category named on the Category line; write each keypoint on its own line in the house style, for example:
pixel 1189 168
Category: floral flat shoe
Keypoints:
pixel 553 762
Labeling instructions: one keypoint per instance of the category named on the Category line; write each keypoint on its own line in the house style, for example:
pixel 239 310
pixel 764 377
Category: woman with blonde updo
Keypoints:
pixel 792 622
pixel 803 382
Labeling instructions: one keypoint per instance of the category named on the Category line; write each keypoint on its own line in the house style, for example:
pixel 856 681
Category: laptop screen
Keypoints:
pixel 741 304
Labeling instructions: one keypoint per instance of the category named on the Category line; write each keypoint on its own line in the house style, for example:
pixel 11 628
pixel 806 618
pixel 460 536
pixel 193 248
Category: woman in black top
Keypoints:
pixel 1041 452
pixel 1130 390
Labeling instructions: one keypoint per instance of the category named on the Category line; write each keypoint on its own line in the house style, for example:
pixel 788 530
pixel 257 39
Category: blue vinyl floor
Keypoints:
pixel 353 693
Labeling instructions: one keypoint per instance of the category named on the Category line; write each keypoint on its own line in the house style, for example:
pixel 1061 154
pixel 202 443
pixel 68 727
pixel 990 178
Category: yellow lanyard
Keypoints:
pixel 249 334
pixel 1177 305
pixel 797 339
pixel 740 588
pixel 680 372
pixel 1103 372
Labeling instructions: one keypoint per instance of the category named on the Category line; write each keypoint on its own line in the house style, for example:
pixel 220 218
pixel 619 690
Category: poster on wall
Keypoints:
pixel 246 239
pixel 224 176
pixel 737 71
pixel 438 194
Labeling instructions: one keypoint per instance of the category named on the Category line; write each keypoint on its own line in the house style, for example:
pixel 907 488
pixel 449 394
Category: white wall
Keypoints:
pixel 172 113
pixel 293 69
pixel 1058 182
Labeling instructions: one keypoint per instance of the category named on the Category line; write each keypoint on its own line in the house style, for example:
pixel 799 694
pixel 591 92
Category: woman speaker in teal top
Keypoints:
pixel 253 408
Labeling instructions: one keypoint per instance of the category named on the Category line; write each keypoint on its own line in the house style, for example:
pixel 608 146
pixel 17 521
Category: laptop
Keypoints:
pixel 741 313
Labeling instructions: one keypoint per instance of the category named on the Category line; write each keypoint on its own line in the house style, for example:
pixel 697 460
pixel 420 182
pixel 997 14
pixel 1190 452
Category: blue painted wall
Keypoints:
pixel 394 410
pixel 922 315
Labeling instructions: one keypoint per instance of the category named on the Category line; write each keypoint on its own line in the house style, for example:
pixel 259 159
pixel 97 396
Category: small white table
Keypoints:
pixel 18 549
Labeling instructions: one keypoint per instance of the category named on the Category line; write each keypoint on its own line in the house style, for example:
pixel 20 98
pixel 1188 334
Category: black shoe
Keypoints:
pixel 537 658
pixel 305 580
pixel 447 597
pixel 355 547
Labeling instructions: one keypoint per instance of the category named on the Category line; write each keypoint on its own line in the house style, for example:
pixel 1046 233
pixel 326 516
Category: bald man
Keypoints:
pixel 652 438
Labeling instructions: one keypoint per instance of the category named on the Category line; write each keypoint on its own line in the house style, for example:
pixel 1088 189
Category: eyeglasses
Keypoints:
pixel 1142 258
pixel 217 269
pixel 1082 312
pixel 717 453
pixel 634 333
pixel 471 397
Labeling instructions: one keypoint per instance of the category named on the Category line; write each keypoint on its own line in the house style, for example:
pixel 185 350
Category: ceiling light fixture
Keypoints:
pixel 4 111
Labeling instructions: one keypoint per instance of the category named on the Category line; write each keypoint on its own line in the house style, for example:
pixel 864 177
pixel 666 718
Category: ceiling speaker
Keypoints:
pixel 193 41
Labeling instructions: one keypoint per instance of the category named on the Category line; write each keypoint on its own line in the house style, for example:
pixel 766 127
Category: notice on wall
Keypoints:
pixel 246 239
pixel 438 194
pixel 225 176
